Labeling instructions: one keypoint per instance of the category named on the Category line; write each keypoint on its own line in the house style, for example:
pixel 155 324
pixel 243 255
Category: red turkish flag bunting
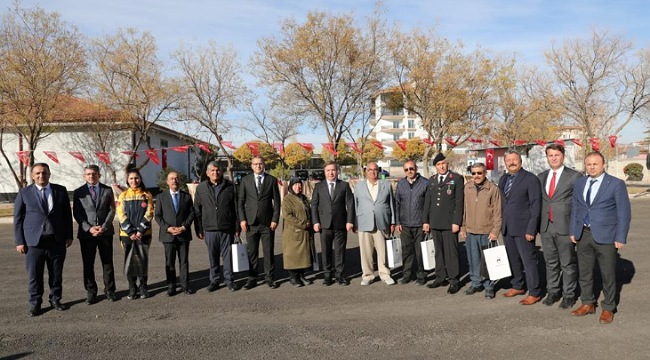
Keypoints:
pixel 180 148
pixel 307 146
pixel 153 155
pixel 495 143
pixel 330 148
pixel 475 141
pixel 451 142
pixel 489 159
pixel 354 146
pixel 52 156
pixel 561 142
pixel 428 141
pixel 77 155
pixel 204 147
pixel 612 140
pixel 541 143
pixel 401 143
pixel 279 147
pixel 254 148
pixel 520 142
pixel 576 142
pixel 130 152
pixel 103 156
pixel 378 144
pixel 23 156
pixel 595 144
pixel 229 145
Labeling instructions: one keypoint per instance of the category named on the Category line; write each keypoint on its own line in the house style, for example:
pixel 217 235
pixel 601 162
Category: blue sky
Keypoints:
pixel 522 27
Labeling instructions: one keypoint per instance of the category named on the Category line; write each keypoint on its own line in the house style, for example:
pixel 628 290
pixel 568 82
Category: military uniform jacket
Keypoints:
pixel 444 202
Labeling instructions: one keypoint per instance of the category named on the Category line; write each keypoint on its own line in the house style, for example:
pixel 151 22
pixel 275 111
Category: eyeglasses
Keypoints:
pixel 477 173
pixel 409 169
pixel 373 170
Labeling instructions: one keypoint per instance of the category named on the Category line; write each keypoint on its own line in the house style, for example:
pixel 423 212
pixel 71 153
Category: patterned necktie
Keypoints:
pixel 506 191
pixel 551 191
pixel 588 201
pixel 175 202
pixel 331 190
pixel 259 184
pixel 93 193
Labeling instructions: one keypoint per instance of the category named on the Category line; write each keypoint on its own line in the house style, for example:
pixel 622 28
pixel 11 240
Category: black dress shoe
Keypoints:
pixel 188 291
pixel 213 287
pixel 490 293
pixel 295 282
pixel 551 299
pixel 473 290
pixel 305 281
pixel 343 281
pixel 404 280
pixel 56 305
pixel 453 288
pixel 567 303
pixel 144 294
pixel 272 284
pixel 250 284
pixel 233 287
pixel 133 294
pixel 91 299
pixel 436 284
pixel 328 281
pixel 34 310
pixel 420 282
pixel 171 291
pixel 111 296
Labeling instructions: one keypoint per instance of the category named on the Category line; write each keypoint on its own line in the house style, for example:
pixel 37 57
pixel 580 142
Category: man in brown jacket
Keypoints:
pixel 481 223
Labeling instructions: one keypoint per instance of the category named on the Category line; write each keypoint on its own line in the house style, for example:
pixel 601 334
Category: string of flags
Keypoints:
pixel 152 153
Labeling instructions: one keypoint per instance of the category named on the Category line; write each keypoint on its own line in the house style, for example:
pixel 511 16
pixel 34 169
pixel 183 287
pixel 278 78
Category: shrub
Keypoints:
pixel 634 171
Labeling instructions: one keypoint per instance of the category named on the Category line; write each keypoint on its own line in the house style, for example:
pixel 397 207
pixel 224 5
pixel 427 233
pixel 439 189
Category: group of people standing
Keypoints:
pixel 557 203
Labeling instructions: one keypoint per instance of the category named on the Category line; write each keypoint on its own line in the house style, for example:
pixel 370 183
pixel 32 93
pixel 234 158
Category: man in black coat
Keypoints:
pixel 442 217
pixel 174 213
pixel 522 204
pixel 332 211
pixel 259 214
pixel 43 231
pixel 93 207
pixel 215 211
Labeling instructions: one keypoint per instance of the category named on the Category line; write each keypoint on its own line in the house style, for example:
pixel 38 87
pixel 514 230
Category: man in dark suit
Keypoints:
pixel 521 194
pixel 215 211
pixel 559 252
pixel 174 213
pixel 332 211
pixel 93 207
pixel 442 217
pixel 43 231
pixel 600 221
pixel 259 214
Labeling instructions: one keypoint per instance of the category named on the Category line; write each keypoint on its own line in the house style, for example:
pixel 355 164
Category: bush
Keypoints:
pixel 634 171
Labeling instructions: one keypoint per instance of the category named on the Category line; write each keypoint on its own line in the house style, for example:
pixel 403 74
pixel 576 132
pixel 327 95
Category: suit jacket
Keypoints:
pixel 166 216
pixel 610 212
pixel 89 213
pixel 378 214
pixel 262 208
pixel 561 201
pixel 332 213
pixel 444 202
pixel 521 210
pixel 29 215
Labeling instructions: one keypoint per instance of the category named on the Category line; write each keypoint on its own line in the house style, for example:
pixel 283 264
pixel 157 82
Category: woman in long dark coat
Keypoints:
pixel 297 235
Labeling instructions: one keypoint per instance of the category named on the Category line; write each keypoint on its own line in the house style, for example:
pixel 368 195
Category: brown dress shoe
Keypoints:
pixel 514 292
pixel 530 300
pixel 606 317
pixel 584 310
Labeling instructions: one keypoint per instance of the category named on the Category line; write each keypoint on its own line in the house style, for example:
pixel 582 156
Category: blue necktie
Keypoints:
pixel 506 191
pixel 588 201
pixel 175 202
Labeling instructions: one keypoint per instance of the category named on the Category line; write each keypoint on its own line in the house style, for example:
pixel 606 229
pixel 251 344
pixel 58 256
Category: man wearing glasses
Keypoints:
pixel 409 201
pixel 481 223
pixel 259 212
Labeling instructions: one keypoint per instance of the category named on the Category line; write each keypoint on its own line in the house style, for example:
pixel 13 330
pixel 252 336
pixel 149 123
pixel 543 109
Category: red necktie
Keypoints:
pixel 551 191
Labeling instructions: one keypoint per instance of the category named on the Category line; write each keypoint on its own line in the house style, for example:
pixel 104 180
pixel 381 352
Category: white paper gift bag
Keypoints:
pixel 239 256
pixel 496 261
pixel 428 253
pixel 394 252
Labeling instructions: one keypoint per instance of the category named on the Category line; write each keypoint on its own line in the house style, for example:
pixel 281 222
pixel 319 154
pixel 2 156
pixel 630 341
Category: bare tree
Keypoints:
pixel 130 78
pixel 324 69
pixel 42 60
pixel 601 82
pixel 213 85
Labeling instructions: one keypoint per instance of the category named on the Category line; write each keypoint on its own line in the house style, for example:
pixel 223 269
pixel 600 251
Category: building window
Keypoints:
pixel 396 124
pixel 411 135
pixel 411 124
pixel 164 143
pixel 395 137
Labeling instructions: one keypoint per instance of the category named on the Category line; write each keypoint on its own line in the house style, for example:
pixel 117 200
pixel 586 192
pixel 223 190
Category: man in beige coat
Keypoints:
pixel 481 223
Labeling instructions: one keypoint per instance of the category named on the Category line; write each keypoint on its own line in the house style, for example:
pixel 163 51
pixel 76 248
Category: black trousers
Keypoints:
pixel 333 243
pixel 447 262
pixel 588 252
pixel 89 248
pixel 47 253
pixel 182 250
pixel 411 238
pixel 522 255
pixel 255 234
